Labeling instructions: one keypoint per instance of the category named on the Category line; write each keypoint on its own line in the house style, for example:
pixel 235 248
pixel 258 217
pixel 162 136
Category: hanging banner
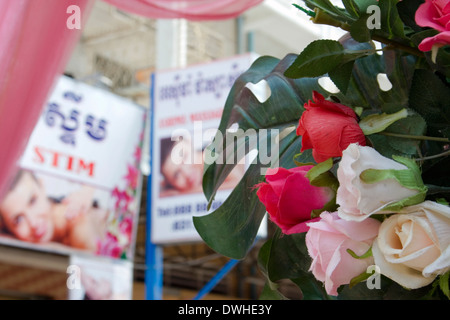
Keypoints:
pixel 78 187
pixel 187 105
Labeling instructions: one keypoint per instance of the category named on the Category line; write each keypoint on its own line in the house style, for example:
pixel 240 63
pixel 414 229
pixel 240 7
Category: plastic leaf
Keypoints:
pixel 318 58
pixel 379 122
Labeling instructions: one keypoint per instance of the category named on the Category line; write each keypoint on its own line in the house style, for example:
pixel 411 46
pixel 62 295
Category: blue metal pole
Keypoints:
pixel 154 272
pixel 153 253
pixel 153 258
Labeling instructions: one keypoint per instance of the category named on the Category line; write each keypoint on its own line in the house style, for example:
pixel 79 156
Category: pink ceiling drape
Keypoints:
pixel 35 45
pixel 195 10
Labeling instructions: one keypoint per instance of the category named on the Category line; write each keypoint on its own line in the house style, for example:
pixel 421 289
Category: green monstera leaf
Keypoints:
pixel 232 228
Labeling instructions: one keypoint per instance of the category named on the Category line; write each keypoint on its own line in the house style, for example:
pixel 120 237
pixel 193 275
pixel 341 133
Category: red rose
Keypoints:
pixel 434 14
pixel 328 128
pixel 290 198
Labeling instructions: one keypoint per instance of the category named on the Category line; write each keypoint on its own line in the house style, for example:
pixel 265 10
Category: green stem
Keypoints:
pixel 432 189
pixel 310 13
pixel 391 44
pixel 396 45
pixel 322 17
pixel 367 254
pixel 443 154
pixel 407 136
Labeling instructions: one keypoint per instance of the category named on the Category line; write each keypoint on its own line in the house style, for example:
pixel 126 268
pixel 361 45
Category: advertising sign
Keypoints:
pixel 187 105
pixel 78 184
pixel 99 279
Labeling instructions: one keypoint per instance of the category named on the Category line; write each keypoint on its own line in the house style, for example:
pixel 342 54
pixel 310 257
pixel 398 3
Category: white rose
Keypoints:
pixel 358 198
pixel 412 246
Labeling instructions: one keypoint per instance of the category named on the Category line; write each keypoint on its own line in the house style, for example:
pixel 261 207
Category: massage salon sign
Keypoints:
pixel 77 190
pixel 187 105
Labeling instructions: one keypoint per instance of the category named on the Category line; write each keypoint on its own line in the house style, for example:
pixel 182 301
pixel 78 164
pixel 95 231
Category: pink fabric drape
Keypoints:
pixel 35 45
pixel 194 10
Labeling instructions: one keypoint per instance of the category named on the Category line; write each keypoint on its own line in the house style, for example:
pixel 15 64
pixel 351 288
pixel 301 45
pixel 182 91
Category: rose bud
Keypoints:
pixel 328 128
pixel 370 183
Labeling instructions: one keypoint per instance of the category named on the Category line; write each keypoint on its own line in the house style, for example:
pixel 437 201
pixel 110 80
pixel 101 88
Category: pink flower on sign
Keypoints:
pixel 132 177
pixel 137 154
pixel 123 199
pixel 328 240
pixel 289 197
pixel 126 227
pixel 434 14
pixel 109 246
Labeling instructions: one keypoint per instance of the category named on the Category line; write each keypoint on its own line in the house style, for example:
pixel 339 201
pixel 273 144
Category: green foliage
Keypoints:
pixel 232 228
pixel 317 58
pixel 419 85
pixel 429 96
pixel 326 56
pixel 391 23
pixel 444 284
pixel 289 250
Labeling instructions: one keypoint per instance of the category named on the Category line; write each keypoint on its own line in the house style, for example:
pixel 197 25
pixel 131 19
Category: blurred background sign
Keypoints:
pixel 78 187
pixel 187 105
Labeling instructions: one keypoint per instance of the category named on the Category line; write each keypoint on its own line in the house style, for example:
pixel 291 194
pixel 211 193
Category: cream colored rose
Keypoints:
pixel 413 246
pixel 357 198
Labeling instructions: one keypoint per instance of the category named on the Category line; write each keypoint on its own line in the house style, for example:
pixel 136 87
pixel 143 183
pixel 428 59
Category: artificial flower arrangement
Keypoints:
pixel 360 194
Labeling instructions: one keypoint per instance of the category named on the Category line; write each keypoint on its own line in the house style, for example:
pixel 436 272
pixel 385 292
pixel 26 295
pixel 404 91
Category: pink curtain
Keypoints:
pixel 195 10
pixel 35 45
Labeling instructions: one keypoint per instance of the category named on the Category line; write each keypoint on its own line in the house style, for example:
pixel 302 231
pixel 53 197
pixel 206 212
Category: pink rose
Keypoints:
pixel 328 240
pixel 434 14
pixel 290 198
